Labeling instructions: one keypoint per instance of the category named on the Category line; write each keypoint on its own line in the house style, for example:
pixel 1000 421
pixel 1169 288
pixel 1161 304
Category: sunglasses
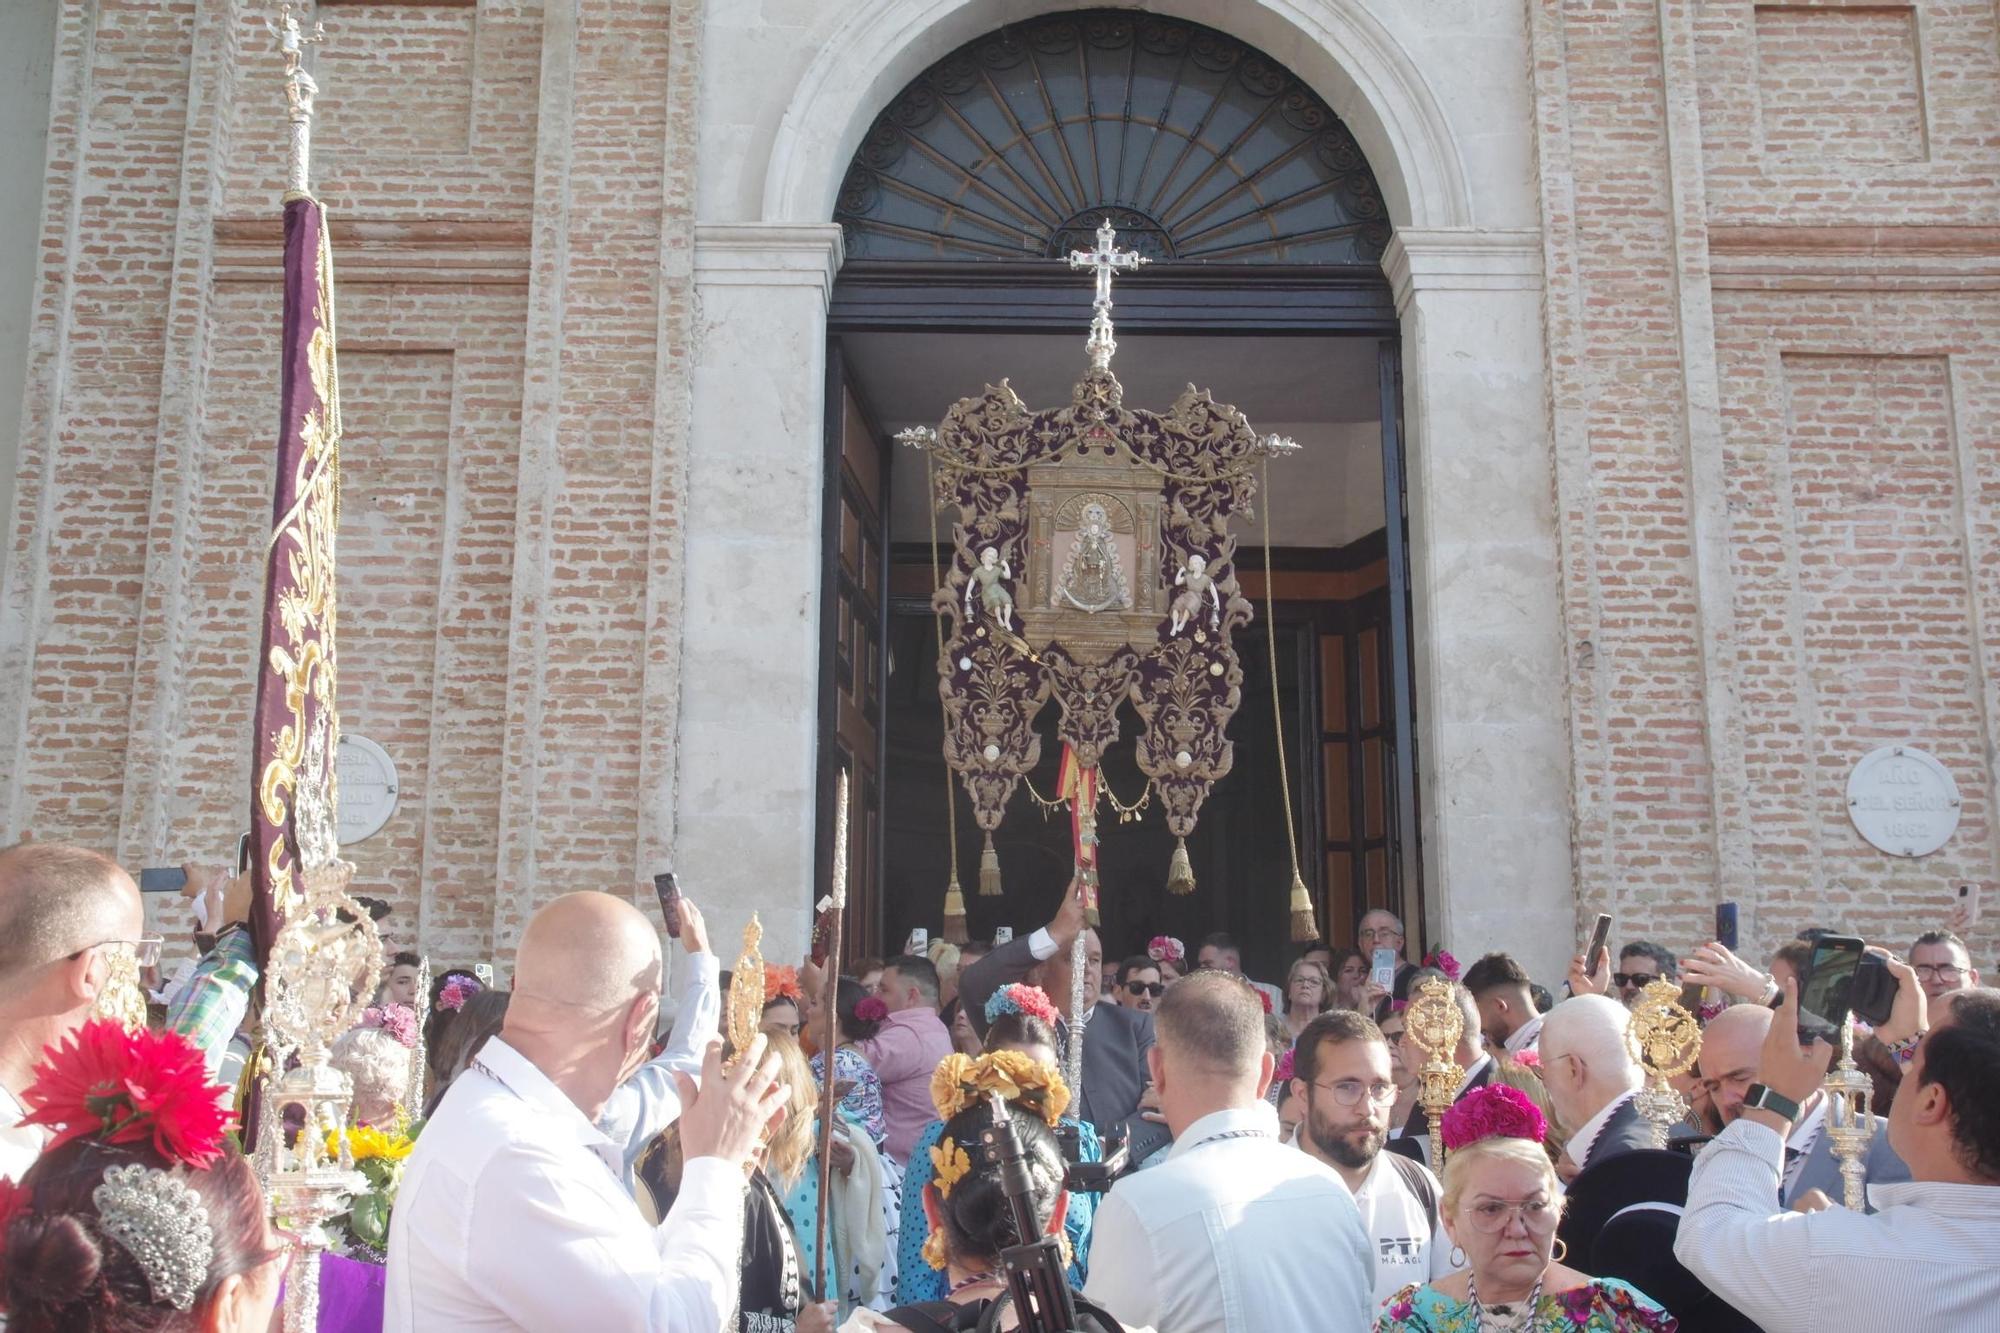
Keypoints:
pixel 1152 988
pixel 1634 979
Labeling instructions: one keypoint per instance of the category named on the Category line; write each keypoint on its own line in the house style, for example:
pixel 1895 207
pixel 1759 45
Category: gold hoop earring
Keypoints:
pixel 1561 1251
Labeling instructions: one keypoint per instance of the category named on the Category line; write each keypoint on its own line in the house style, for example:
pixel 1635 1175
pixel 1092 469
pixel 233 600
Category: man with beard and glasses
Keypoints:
pixel 1340 1069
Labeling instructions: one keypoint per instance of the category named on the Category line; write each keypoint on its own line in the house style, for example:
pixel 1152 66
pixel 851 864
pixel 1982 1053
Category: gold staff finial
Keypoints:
pixel 1667 1041
pixel 746 992
pixel 1434 1022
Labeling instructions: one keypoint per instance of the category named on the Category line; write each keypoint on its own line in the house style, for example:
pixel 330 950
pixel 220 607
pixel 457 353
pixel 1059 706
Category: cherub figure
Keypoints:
pixel 1196 582
pixel 988 579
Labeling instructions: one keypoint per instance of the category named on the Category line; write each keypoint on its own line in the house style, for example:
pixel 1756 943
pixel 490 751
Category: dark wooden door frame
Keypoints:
pixel 1296 300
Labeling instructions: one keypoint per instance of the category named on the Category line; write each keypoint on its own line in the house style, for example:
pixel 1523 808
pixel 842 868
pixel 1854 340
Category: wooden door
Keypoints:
pixel 853 632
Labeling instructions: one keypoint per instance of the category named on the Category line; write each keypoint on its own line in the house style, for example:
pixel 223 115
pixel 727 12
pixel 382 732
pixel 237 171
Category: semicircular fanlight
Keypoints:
pixel 1197 147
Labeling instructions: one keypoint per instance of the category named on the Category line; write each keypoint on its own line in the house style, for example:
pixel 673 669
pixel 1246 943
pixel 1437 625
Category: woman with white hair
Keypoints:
pixel 379 1064
pixel 1501 1207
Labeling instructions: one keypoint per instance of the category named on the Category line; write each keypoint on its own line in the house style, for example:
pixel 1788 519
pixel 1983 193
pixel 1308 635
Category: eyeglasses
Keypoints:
pixel 1634 979
pixel 145 949
pixel 1152 988
pixel 1382 933
pixel 1491 1216
pixel 1940 972
pixel 1349 1092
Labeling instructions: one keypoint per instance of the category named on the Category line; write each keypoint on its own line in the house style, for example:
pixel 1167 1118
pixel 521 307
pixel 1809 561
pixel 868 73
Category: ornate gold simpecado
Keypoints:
pixel 1667 1040
pixel 746 993
pixel 1434 1022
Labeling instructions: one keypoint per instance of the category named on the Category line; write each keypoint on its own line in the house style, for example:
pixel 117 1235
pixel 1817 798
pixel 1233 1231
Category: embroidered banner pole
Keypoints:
pixel 297 725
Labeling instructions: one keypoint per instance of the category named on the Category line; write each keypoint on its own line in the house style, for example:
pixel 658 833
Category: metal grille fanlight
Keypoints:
pixel 1198 148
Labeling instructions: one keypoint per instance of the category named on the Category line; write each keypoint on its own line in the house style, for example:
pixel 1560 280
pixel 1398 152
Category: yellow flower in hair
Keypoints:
pixel 1020 1078
pixel 952 1164
pixel 952 1085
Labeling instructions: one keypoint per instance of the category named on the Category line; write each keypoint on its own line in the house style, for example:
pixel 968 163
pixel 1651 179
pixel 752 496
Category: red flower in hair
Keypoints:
pixel 781 983
pixel 130 1087
pixel 1265 999
pixel 1494 1111
pixel 870 1009
pixel 1283 1072
pixel 1444 963
pixel 13 1198
pixel 1021 998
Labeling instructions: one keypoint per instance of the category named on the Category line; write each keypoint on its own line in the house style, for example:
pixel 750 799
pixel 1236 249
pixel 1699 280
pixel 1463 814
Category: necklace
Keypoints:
pixel 1503 1319
pixel 977 1279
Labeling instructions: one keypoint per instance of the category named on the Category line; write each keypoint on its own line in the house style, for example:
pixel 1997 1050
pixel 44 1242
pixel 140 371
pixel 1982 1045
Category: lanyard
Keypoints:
pixel 1199 1144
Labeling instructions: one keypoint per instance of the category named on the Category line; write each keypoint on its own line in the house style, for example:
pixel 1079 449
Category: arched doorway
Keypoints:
pixel 1267 229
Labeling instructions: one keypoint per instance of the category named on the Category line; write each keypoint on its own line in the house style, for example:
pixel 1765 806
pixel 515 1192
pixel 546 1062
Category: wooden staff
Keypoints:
pixel 830 1005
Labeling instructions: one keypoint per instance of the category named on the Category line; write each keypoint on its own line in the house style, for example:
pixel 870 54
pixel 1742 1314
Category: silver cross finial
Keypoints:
pixel 1106 260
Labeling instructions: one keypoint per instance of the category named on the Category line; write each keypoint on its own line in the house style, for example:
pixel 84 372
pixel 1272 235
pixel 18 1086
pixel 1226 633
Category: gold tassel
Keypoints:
pixel 1180 874
pixel 1305 926
pixel 989 871
pixel 954 913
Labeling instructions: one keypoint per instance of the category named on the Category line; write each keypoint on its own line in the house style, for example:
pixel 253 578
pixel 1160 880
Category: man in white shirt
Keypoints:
pixel 1233 1232
pixel 65 914
pixel 1592 1077
pixel 513 1212
pixel 1341 1072
pixel 1507 1013
pixel 1929 1258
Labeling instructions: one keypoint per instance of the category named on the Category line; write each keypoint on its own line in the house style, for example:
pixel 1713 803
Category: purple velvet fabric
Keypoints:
pixel 350 1296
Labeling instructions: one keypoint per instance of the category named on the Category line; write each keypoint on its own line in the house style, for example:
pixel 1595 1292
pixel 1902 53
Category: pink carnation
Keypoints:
pixel 457 991
pixel 1166 949
pixel 1021 999
pixel 870 1009
pixel 1443 962
pixel 398 1020
pixel 1530 1059
pixel 1283 1073
pixel 1494 1111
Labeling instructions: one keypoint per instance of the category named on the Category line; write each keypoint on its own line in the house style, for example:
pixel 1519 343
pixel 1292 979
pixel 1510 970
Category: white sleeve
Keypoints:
pixel 1739 1240
pixel 1123 1276
pixel 646 1103
pixel 556 1258
pixel 1042 944
pixel 698 1020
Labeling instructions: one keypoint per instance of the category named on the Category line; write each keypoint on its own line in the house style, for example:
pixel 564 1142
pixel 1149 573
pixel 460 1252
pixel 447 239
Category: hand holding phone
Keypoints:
pixel 1595 957
pixel 669 890
pixel 1382 968
pixel 1725 925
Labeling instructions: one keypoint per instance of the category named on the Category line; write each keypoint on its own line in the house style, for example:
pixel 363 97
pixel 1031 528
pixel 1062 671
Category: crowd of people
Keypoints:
pixel 555 1153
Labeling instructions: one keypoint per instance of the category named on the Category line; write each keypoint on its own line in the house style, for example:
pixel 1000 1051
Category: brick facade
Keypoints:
pixel 1769 245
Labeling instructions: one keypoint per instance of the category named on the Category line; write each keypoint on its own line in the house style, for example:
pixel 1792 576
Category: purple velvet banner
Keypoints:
pixel 296 725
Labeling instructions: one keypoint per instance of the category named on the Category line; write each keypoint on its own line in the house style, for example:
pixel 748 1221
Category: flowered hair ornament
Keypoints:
pixel 457 990
pixel 1443 962
pixel 1494 1111
pixel 781 983
pixel 107 1082
pixel 871 1009
pixel 951 1164
pixel 398 1020
pixel 1021 998
pixel 961 1080
pixel 1166 949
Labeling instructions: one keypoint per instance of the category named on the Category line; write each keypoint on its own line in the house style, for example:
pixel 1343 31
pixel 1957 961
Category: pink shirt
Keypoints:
pixel 904 1050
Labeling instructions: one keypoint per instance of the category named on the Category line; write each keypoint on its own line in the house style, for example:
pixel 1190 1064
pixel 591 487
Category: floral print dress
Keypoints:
pixel 1601 1305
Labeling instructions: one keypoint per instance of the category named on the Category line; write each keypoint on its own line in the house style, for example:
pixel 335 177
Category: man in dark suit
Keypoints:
pixel 1415 1140
pixel 1115 1041
pixel 1592 1077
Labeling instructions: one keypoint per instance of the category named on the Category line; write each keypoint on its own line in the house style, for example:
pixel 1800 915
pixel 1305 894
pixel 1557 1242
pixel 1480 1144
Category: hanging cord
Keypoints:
pixel 1305 925
pixel 954 897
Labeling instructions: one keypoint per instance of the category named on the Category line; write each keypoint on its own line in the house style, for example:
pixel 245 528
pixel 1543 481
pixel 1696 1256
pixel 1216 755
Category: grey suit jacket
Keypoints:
pixel 1822 1169
pixel 1114 1047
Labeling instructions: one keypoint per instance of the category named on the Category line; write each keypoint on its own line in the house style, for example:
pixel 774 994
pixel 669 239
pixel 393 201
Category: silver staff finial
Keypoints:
pixel 1106 260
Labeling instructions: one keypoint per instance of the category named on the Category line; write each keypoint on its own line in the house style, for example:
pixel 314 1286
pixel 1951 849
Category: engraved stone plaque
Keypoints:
pixel 1903 801
pixel 367 788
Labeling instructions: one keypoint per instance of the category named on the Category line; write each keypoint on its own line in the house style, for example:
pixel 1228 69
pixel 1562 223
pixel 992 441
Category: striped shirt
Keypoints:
pixel 1928 1258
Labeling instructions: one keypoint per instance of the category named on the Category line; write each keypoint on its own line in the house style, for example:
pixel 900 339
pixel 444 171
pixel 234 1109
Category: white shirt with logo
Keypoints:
pixel 1406 1239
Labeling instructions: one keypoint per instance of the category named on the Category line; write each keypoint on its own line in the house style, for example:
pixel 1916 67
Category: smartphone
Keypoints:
pixel 1382 968
pixel 920 942
pixel 1825 991
pixel 243 853
pixel 484 973
pixel 1968 897
pixel 162 879
pixel 1725 925
pixel 669 890
pixel 1599 935
pixel 1002 935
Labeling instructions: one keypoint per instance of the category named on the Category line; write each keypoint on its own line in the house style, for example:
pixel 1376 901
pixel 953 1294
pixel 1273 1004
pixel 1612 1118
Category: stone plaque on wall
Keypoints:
pixel 1903 801
pixel 367 788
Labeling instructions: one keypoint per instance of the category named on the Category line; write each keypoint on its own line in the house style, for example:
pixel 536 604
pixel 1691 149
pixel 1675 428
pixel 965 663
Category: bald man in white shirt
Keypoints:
pixel 512 1212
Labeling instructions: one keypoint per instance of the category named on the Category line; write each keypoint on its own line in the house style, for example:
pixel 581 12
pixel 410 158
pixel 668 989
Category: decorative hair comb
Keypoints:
pixel 160 1221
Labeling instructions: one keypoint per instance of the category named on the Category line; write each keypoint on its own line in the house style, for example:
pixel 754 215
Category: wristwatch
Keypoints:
pixel 1761 1098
